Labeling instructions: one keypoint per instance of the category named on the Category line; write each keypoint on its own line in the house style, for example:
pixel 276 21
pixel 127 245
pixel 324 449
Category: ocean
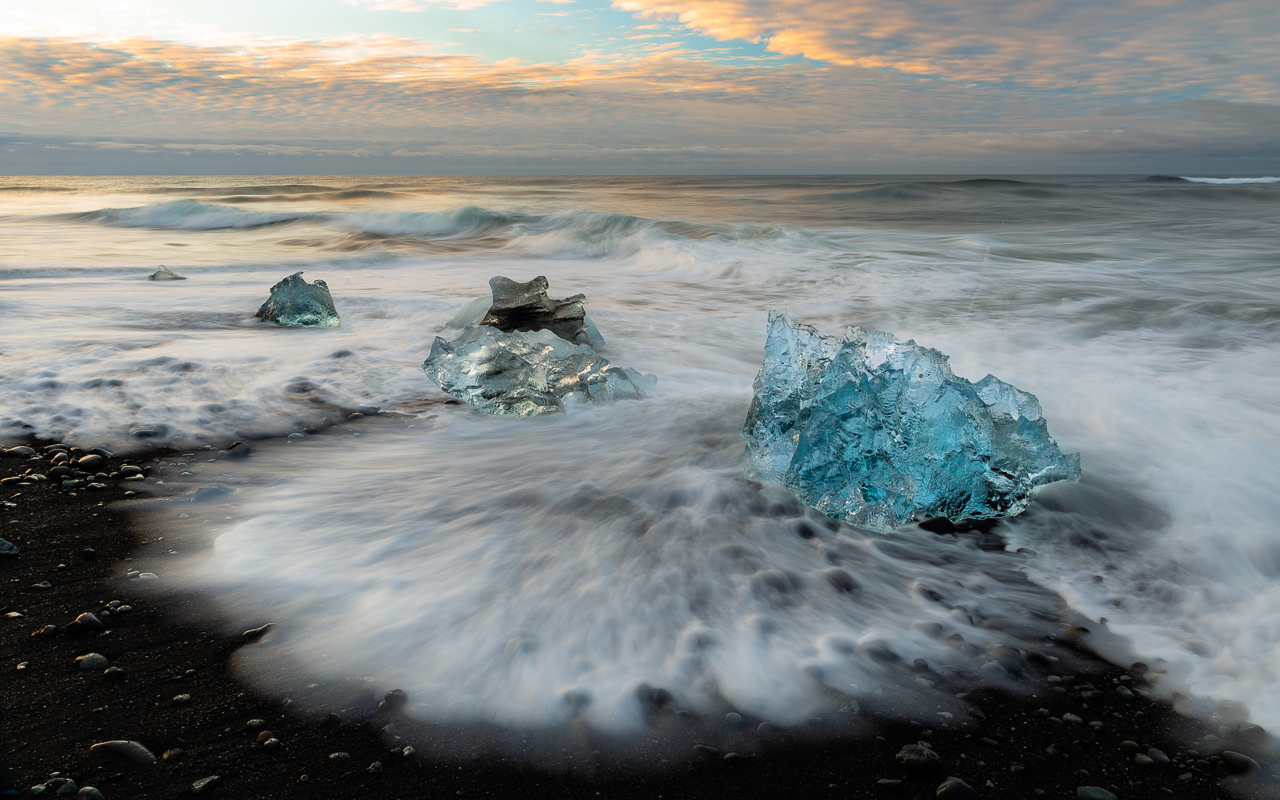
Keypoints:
pixel 530 573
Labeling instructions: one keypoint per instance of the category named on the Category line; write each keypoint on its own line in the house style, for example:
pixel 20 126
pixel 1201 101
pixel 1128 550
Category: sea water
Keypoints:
pixel 528 573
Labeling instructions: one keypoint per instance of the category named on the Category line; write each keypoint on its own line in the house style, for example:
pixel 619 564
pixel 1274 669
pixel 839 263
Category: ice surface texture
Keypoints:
pixel 879 432
pixel 524 373
pixel 299 304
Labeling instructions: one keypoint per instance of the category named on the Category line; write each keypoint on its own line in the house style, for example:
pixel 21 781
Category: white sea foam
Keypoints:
pixel 526 574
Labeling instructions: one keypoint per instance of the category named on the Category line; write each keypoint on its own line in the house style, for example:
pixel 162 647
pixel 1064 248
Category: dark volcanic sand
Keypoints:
pixel 53 712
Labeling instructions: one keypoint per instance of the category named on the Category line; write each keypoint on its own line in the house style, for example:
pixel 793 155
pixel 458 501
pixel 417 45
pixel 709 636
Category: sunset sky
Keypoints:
pixel 649 86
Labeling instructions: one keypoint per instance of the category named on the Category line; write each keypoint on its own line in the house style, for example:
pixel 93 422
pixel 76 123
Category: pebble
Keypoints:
pixel 1157 756
pixel 113 673
pixel 89 793
pixel 42 585
pixel 1125 692
pixel 889 783
pixel 339 756
pixel 1129 746
pixel 733 718
pixel 408 751
pixel 1239 761
pixel 129 749
pixel 205 783
pixel 7 549
pixel 182 699
pixel 375 767
pixel 148 576
pixel 1072 718
pixel 955 789
pixel 87 622
pixel 917 756
pixel 272 744
pixel 1142 761
pixel 1093 793
pixel 90 462
pixel 21 451
pixel 93 661
pixel 172 754
pixel 394 700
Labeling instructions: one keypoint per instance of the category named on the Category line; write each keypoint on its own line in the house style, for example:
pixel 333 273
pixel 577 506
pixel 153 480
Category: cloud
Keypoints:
pixel 1106 45
pixel 679 109
pixel 411 6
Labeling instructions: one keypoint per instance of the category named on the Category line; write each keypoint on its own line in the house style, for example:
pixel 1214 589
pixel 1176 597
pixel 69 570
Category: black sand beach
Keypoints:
pixel 178 696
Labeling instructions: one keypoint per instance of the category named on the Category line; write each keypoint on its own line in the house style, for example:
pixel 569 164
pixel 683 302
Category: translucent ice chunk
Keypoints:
pixel 165 274
pixel 526 373
pixel 296 303
pixel 878 432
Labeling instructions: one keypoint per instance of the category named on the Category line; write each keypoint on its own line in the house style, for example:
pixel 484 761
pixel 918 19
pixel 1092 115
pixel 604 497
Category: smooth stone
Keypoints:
pixel 7 549
pixel 339 756
pixel 272 744
pixel 127 748
pixel 733 718
pixel 1072 718
pixel 172 754
pixel 1094 793
pixel 395 699
pixel 182 699
pixel 256 724
pixel 375 767
pixel 917 756
pixel 1129 746
pixel 205 783
pixel 93 662
pixel 408 751
pixel 1158 756
pixel 1239 761
pixel 1125 692
pixel 21 451
pixel 90 462
pixel 89 793
pixel 1252 734
pixel 113 673
pixel 1142 761
pixel 955 789
pixel 889 783
pixel 90 622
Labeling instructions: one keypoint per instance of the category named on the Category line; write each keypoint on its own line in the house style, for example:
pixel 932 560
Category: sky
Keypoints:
pixel 639 86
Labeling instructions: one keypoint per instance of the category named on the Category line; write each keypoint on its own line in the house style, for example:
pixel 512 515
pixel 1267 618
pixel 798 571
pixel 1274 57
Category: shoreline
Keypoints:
pixel 175 646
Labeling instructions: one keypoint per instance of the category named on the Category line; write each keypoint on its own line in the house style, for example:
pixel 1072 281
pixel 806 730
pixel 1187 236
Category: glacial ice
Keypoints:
pixel 526 373
pixel 165 274
pixel 526 307
pixel 296 303
pixel 879 432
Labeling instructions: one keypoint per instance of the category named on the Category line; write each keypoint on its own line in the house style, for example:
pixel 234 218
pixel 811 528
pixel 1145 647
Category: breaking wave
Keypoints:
pixel 185 215
pixel 1229 181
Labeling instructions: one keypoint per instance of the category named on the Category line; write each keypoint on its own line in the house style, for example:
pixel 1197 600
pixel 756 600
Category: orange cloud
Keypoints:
pixel 1109 45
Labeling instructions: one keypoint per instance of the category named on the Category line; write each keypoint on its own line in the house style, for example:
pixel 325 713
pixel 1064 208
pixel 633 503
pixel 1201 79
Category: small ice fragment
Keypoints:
pixel 525 374
pixel 165 274
pixel 526 307
pixel 878 432
pixel 296 303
